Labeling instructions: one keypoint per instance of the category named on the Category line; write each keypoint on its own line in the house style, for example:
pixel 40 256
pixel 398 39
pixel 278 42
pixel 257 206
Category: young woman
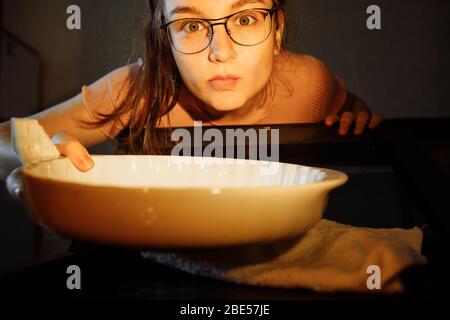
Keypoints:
pixel 218 61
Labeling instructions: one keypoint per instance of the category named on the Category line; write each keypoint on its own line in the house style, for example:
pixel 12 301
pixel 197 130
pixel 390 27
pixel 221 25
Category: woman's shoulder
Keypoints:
pixel 305 66
pixel 105 94
pixel 112 82
pixel 315 85
pixel 121 76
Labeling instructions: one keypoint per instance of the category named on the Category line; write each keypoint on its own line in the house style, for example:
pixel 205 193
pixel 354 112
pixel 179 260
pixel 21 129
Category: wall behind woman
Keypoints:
pixel 72 58
pixel 399 70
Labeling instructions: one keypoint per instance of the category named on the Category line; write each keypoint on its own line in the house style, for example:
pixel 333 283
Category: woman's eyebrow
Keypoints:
pixel 184 9
pixel 241 3
pixel 194 10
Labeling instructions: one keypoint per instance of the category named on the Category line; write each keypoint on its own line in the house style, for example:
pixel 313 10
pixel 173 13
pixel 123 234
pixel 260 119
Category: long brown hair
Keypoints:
pixel 157 85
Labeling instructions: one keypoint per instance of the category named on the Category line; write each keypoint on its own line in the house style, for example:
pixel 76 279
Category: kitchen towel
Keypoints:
pixel 330 257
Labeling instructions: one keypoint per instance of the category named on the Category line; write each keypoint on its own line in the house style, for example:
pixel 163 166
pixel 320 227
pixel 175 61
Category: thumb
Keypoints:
pixel 74 150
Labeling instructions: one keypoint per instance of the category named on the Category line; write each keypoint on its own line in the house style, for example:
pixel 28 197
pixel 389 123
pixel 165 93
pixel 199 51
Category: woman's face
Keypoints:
pixel 252 65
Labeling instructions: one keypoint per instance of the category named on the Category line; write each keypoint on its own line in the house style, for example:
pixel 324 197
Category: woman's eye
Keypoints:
pixel 246 20
pixel 192 26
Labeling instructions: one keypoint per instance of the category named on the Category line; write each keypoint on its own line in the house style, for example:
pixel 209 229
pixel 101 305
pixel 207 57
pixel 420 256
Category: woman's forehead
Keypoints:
pixel 211 8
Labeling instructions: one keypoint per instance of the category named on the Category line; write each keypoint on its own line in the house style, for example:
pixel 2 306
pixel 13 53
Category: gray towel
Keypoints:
pixel 329 257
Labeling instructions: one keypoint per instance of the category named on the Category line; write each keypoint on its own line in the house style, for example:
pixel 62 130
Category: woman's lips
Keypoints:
pixel 227 82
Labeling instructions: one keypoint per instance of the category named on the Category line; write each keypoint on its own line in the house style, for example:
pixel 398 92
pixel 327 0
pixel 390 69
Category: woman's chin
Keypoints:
pixel 225 108
pixel 226 104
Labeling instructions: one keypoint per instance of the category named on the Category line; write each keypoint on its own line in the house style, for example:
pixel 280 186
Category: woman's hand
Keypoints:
pixel 361 119
pixel 354 111
pixel 68 146
pixel 73 149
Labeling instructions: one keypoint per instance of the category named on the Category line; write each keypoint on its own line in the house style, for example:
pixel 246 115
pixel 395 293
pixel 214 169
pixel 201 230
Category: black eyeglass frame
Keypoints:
pixel 270 11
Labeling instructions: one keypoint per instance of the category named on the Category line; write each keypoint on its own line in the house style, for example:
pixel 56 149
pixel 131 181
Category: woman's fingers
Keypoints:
pixel 375 120
pixel 331 119
pixel 361 121
pixel 14 183
pixel 345 123
pixel 74 150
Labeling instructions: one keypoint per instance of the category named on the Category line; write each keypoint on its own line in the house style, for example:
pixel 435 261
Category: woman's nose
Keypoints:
pixel 221 47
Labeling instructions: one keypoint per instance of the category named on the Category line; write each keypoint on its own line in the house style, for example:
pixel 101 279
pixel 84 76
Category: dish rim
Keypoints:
pixel 333 178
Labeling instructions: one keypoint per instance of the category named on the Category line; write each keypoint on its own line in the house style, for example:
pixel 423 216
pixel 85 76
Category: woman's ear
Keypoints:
pixel 279 29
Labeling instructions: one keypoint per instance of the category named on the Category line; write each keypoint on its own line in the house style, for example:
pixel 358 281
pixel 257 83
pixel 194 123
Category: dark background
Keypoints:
pixel 400 71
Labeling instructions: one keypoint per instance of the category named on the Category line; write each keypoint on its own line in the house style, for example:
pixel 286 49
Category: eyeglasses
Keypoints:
pixel 246 28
